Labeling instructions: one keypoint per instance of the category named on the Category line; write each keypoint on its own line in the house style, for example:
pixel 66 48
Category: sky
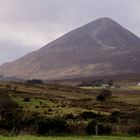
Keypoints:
pixel 27 25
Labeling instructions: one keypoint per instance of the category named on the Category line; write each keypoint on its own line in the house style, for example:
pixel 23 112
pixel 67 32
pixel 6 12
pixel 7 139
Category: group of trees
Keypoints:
pixel 51 126
pixel 34 81
pixel 97 83
pixel 99 129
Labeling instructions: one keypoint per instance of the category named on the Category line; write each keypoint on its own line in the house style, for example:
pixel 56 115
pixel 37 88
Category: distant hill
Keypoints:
pixel 102 47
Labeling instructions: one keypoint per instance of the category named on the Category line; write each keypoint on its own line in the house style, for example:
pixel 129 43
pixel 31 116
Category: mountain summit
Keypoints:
pixel 102 47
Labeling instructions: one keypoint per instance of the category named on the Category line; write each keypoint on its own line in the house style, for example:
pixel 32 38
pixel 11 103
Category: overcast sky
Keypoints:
pixel 27 25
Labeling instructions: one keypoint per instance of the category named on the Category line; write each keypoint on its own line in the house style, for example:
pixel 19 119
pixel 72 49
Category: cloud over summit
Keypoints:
pixel 26 25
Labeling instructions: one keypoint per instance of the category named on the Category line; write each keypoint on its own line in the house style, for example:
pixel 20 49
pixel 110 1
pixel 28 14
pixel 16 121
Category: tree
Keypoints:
pixel 34 81
pixel 10 114
pixel 110 83
pixel 96 128
pixel 91 127
pixel 51 126
pixel 6 103
pixel 105 94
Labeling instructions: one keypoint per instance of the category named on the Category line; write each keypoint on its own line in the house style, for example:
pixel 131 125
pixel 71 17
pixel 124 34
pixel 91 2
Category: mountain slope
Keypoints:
pixel 102 47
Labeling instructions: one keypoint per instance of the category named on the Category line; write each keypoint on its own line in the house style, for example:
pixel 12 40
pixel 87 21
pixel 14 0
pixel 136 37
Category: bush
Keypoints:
pixel 26 100
pixel 104 129
pixel 10 113
pixel 135 115
pixel 76 129
pixel 91 127
pixel 88 115
pixel 134 131
pixel 51 126
pixel 94 128
pixel 116 116
pixel 30 120
pixel 105 94
pixel 6 103
pixel 11 119
pixel 69 116
pixel 92 115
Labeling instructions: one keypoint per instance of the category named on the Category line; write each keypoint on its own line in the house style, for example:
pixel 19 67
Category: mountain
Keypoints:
pixel 102 47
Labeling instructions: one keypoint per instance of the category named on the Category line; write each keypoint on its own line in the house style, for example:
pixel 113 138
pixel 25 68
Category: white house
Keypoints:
pixel 138 84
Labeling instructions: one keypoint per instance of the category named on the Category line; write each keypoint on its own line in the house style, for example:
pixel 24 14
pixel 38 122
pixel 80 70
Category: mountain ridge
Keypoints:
pixel 101 47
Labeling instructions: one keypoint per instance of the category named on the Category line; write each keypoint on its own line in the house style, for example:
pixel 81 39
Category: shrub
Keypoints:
pixel 11 119
pixel 108 129
pixel 10 113
pixel 26 100
pixel 88 115
pixel 116 116
pixel 94 128
pixel 134 131
pixel 91 127
pixel 6 103
pixel 91 115
pixel 69 116
pixel 104 129
pixel 135 115
pixel 28 120
pixel 36 106
pixel 51 126
pixel 76 129
pixel 105 94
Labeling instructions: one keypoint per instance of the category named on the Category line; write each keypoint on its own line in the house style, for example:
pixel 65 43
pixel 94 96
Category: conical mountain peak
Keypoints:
pixel 104 22
pixel 102 47
pixel 105 19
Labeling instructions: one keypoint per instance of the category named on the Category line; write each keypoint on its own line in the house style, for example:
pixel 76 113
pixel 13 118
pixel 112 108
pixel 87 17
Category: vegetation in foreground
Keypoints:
pixel 31 109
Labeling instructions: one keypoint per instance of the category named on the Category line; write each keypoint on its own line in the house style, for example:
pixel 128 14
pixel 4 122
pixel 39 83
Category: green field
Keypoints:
pixel 77 107
pixel 69 138
pixel 91 87
pixel 134 87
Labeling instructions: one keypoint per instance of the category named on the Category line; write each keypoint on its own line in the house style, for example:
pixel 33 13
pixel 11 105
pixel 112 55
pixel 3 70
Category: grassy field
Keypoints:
pixel 70 103
pixel 63 102
pixel 69 138
pixel 134 87
pixel 91 87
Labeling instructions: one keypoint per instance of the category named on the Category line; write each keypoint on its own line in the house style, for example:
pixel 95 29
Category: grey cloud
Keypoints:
pixel 26 25
pixel 10 52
